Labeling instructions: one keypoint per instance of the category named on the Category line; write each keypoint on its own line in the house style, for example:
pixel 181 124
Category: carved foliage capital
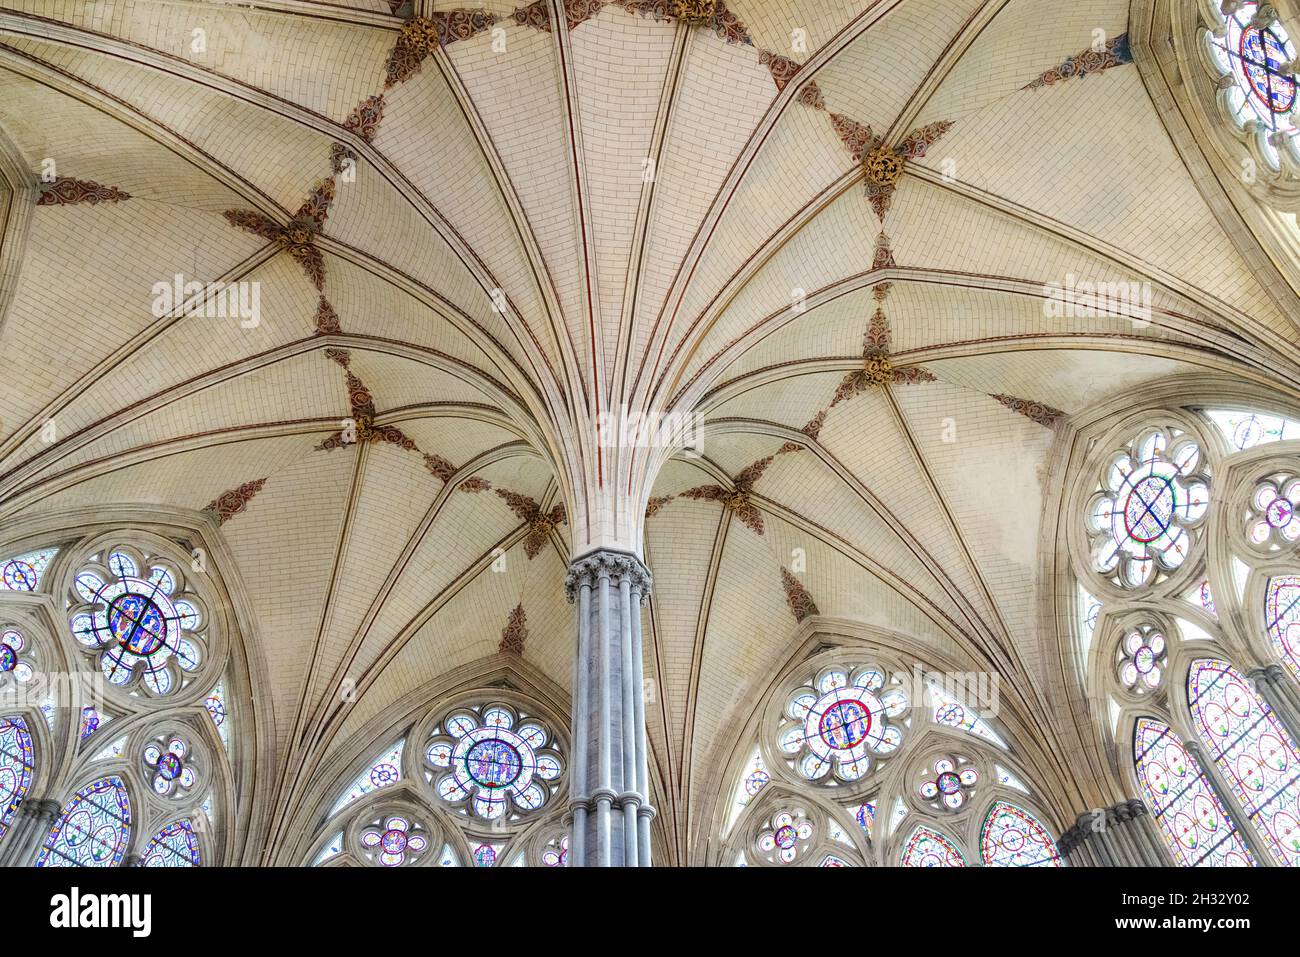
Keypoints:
pixel 616 566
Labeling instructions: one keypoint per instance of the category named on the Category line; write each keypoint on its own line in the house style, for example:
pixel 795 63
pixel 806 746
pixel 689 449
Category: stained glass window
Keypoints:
pixel 951 713
pixel 24 572
pixel 1200 594
pixel 333 847
pixel 1012 837
pixel 556 852
pixel 1245 430
pixel 785 837
pixel 170 767
pixel 138 622
pixel 948 783
pixel 493 762
pixel 1257 756
pixel 1141 658
pixel 1009 779
pixel 215 703
pixel 17 761
pixel 176 845
pixel 383 771
pixel 1182 801
pixel 91 721
pixel 1089 612
pixel 927 847
pixel 1282 618
pixel 865 815
pixel 841 722
pixel 753 779
pixel 394 841
pixel 93 830
pixel 1152 495
pixel 1254 53
pixel 15 661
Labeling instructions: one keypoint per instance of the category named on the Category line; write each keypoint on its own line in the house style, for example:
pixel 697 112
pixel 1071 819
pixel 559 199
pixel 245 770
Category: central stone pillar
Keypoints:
pixel 1121 835
pixel 608 772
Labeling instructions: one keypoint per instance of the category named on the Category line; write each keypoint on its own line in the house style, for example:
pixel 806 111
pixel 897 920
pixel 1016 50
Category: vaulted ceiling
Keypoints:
pixel 472 239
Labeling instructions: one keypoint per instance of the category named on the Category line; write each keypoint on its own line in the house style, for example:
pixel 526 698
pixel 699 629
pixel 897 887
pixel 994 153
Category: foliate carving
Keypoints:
pixel 327 320
pixel 857 138
pixel 884 255
pixel 616 566
pixel 420 36
pixel 883 167
pixel 230 503
pixel 878 370
pixel 515 633
pixel 1115 53
pixel 1039 412
pixel 66 191
pixel 796 596
pixel 693 11
pixel 364 119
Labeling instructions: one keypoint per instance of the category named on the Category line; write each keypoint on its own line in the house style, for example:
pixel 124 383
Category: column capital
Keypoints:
pixel 587 570
pixel 44 810
pixel 1270 672
pixel 1095 824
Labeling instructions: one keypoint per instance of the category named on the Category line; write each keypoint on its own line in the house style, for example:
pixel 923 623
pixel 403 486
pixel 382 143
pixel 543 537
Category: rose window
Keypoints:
pixel 492 761
pixel 1151 502
pixel 1142 660
pixel 135 616
pixel 394 842
pixel 171 767
pixel 840 722
pixel 1249 45
pixel 1274 515
pixel 785 837
pixel 949 783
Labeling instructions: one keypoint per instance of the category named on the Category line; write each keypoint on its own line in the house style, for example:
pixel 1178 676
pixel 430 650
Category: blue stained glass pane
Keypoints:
pixel 17 761
pixel 24 572
pixel 93 830
pixel 176 845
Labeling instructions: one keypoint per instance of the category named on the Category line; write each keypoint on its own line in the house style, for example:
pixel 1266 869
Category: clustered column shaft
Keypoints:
pixel 609 781
pixel 1279 691
pixel 32 823
pixel 1118 836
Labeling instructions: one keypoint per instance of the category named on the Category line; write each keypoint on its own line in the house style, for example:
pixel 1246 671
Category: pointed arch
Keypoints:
pixel 1183 802
pixel 928 847
pixel 94 829
pixel 17 766
pixel 1257 756
pixel 1013 837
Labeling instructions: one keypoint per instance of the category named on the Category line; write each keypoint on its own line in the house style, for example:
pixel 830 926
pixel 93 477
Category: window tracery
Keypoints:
pixel 1012 837
pixel 937 774
pixel 1252 60
pixel 139 648
pixel 1239 554
pixel 474 782
pixel 1146 514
